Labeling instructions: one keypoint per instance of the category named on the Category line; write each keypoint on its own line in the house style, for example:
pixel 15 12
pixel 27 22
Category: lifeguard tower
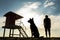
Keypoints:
pixel 11 17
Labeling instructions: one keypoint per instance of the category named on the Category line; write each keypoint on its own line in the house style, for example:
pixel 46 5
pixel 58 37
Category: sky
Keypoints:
pixel 36 9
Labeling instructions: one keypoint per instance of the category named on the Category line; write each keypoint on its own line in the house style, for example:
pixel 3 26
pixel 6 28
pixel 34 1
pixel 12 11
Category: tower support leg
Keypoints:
pixel 4 33
pixel 10 33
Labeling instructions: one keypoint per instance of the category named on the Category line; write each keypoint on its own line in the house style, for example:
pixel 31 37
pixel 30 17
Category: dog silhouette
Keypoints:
pixel 34 30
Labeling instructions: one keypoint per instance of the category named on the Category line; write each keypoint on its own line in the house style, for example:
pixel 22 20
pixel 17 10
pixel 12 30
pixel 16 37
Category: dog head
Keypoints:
pixel 30 20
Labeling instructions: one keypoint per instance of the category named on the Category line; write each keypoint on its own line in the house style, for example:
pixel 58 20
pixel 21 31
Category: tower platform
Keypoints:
pixel 12 27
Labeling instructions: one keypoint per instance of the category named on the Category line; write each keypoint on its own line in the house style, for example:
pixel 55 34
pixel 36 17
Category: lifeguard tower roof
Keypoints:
pixel 13 15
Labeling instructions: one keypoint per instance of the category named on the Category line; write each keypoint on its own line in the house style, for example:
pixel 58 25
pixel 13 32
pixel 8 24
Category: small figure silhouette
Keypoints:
pixel 33 28
pixel 47 25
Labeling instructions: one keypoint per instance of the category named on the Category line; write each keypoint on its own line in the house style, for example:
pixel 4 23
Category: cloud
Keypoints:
pixel 2 21
pixel 33 5
pixel 55 25
pixel 28 10
pixel 48 3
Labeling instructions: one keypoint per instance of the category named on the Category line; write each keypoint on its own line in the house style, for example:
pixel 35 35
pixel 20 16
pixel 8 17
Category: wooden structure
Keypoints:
pixel 11 17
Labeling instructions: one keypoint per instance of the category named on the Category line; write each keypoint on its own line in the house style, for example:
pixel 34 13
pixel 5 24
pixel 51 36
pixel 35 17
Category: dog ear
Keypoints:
pixel 32 18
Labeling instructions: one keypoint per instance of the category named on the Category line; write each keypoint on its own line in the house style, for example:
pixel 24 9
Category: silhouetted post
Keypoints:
pixel 4 32
pixel 10 33
pixel 47 25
